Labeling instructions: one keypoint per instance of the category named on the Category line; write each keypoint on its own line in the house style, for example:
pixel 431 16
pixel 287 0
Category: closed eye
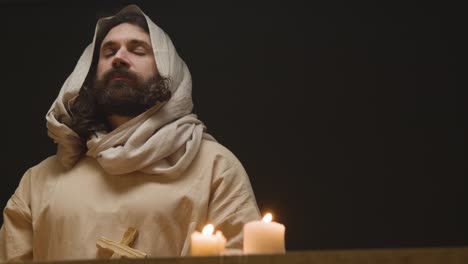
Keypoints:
pixel 108 52
pixel 139 51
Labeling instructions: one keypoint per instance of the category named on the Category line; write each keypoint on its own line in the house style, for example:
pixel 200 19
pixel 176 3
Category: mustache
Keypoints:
pixel 119 72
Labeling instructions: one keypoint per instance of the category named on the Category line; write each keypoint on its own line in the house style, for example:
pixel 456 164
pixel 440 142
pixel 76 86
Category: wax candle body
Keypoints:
pixel 262 237
pixel 206 245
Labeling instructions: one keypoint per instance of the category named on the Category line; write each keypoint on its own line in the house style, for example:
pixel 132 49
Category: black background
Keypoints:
pixel 348 116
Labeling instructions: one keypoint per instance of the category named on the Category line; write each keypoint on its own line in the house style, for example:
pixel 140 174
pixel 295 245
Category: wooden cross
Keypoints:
pixel 123 248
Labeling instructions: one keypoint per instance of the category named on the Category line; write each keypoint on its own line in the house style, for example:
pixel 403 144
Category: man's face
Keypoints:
pixel 126 46
pixel 127 81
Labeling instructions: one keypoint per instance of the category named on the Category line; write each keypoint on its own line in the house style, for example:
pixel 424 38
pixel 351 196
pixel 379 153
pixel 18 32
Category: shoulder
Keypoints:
pixel 41 173
pixel 36 180
pixel 51 169
pixel 217 153
pixel 219 160
pixel 50 165
pixel 52 160
pixel 39 181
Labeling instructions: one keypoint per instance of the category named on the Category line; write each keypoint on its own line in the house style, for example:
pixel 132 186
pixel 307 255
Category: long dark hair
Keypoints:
pixel 86 117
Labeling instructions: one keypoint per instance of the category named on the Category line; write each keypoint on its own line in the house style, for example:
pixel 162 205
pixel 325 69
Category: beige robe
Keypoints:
pixel 58 214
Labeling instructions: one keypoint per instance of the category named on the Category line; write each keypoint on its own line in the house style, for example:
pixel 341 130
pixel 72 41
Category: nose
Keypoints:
pixel 120 59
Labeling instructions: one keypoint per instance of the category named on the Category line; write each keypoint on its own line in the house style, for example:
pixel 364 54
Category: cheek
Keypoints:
pixel 148 68
pixel 153 68
pixel 100 70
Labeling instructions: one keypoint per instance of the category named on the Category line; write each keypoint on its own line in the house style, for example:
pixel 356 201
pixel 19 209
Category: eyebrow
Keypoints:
pixel 132 42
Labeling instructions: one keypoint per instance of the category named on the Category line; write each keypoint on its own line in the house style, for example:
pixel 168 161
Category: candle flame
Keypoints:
pixel 208 230
pixel 267 218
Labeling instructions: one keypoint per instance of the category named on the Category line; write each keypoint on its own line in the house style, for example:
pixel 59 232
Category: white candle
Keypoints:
pixel 264 237
pixel 207 243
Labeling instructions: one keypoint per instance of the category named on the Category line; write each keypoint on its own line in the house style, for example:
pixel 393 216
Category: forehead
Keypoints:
pixel 126 32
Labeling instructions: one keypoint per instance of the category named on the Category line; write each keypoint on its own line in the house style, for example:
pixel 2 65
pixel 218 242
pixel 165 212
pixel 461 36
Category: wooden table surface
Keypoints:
pixel 449 255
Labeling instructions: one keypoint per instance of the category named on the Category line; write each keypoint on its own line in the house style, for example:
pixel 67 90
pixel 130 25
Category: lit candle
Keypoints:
pixel 264 237
pixel 206 243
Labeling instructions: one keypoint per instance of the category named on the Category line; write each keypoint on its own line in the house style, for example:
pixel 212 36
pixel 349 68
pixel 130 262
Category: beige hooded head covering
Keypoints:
pixel 162 140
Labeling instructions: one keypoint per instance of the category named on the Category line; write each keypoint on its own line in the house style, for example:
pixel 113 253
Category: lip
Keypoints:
pixel 119 76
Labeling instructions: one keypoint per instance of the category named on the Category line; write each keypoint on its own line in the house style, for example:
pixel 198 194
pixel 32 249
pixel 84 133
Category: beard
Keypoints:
pixel 130 94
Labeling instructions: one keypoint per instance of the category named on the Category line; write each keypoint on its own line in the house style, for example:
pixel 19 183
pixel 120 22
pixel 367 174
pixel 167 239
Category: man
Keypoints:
pixel 130 154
